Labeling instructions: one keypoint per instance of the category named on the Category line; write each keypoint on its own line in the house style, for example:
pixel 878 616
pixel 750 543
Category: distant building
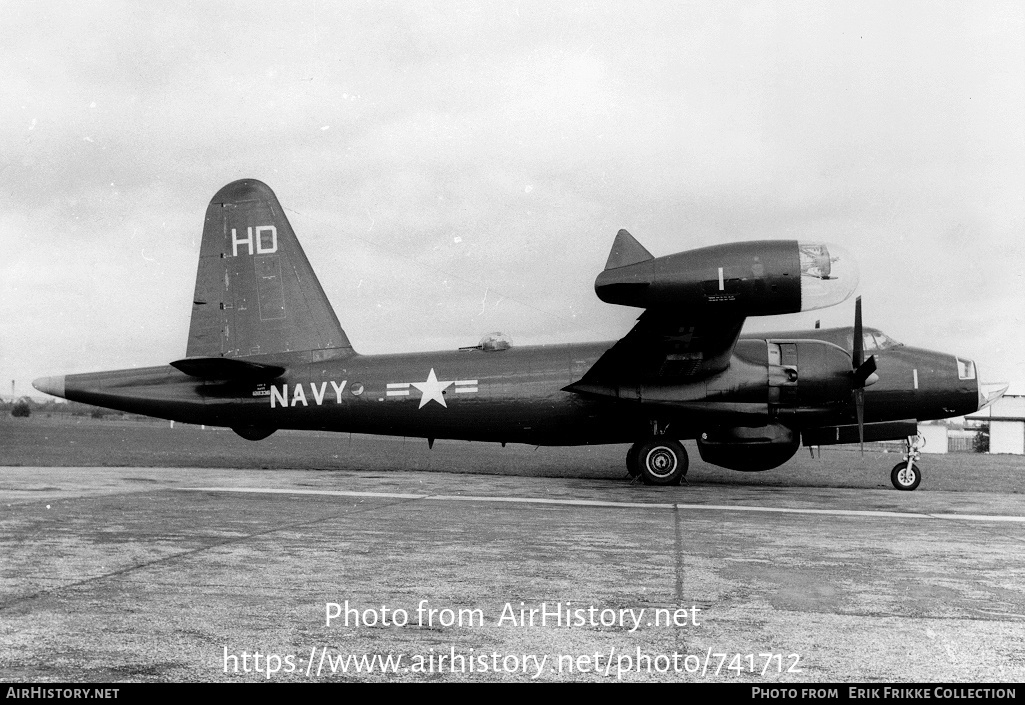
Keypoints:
pixel 935 436
pixel 1006 418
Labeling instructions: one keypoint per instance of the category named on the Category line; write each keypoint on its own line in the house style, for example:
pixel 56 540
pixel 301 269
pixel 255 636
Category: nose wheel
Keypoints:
pixel 907 475
pixel 658 461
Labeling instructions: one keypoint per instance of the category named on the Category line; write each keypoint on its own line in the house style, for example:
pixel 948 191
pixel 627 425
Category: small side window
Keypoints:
pixel 965 369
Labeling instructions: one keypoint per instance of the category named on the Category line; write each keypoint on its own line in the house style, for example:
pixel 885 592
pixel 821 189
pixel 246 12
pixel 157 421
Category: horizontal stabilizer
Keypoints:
pixel 626 251
pixel 226 368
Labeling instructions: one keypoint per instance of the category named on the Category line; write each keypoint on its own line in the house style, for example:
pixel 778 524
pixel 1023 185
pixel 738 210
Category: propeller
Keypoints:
pixel 863 370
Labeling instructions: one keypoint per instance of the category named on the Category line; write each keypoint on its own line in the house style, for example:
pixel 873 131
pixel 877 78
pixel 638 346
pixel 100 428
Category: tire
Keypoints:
pixel 661 461
pixel 631 460
pixel 903 479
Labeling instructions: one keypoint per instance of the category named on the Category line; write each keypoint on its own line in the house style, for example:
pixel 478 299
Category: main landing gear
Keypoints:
pixel 657 461
pixel 907 475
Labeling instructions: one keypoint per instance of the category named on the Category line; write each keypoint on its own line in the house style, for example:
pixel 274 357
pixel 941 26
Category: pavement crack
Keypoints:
pixel 678 554
pixel 678 636
pixel 992 529
pixel 183 554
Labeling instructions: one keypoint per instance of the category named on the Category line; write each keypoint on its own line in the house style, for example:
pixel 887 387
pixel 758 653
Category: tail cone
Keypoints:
pixel 50 385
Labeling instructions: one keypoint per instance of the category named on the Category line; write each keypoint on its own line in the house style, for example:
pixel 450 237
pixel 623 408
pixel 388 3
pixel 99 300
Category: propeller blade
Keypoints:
pixel 864 371
pixel 859 340
pixel 859 405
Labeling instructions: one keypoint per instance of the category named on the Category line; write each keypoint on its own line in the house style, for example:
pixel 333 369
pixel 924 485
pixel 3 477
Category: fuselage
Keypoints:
pixel 519 395
pixel 265 351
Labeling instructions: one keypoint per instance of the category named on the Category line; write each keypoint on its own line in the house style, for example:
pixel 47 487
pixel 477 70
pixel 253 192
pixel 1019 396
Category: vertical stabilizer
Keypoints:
pixel 625 251
pixel 256 293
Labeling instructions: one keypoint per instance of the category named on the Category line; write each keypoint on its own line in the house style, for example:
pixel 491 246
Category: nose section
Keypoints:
pixel 50 385
pixel 985 394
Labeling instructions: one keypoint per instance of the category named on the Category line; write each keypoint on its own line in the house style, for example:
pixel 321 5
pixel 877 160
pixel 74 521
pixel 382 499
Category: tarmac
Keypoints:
pixel 152 574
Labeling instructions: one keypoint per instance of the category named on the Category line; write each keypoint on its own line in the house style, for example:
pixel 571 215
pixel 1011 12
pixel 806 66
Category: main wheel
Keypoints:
pixel 631 460
pixel 905 478
pixel 661 461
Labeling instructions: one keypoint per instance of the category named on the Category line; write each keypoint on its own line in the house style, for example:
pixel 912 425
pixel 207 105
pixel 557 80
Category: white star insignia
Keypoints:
pixel 432 389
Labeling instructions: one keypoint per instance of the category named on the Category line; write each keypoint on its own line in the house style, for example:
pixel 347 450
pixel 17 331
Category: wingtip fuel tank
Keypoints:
pixel 756 278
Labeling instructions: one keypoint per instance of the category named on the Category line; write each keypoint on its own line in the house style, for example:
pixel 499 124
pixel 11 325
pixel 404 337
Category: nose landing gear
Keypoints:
pixel 907 475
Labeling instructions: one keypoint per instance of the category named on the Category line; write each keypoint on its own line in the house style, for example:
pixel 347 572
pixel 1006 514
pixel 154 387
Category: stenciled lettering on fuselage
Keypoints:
pixel 330 392
pixel 264 237
pixel 318 394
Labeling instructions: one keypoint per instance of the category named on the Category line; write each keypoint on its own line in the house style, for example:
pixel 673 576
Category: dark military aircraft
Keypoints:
pixel 266 352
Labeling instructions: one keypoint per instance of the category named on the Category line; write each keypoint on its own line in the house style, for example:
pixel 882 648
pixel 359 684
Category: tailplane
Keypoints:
pixel 256 293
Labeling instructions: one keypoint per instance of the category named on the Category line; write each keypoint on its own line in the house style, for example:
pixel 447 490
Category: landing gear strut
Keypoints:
pixel 657 461
pixel 907 475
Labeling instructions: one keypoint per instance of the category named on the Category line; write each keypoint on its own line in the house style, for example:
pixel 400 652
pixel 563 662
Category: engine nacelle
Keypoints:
pixel 758 278
pixel 749 449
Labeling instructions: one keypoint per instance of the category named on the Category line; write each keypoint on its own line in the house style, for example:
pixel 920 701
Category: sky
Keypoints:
pixel 457 168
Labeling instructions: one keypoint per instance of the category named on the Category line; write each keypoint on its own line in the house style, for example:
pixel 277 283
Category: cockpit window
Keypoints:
pixel 873 341
pixel 881 341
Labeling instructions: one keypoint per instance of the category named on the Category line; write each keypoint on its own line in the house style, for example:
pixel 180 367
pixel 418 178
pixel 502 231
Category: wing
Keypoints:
pixel 664 348
pixel 695 305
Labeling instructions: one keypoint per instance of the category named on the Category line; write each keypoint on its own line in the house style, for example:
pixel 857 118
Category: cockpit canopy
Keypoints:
pixel 874 340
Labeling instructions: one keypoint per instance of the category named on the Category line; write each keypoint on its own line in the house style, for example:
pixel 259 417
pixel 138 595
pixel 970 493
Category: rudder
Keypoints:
pixel 256 293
